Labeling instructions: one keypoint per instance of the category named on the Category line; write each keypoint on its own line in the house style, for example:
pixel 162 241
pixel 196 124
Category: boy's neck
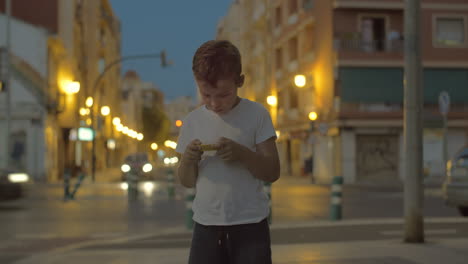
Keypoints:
pixel 238 99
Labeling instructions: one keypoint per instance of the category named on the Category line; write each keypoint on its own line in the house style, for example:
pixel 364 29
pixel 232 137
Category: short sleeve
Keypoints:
pixel 184 137
pixel 265 129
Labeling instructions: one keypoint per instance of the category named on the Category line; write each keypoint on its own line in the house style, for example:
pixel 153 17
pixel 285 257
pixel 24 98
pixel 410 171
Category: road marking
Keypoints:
pixel 427 232
pixel 167 240
pixel 37 236
pixel 369 221
pixel 107 235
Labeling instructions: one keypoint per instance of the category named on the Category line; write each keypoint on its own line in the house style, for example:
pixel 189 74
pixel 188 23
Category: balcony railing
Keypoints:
pixel 370 46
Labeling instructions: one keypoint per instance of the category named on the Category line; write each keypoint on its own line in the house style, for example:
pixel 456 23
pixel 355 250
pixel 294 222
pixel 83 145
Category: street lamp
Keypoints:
pixel 164 63
pixel 154 146
pixel 83 111
pixel 300 80
pixel 70 87
pixel 89 101
pixel 105 110
pixel 116 121
pixel 140 137
pixel 313 116
pixel 272 100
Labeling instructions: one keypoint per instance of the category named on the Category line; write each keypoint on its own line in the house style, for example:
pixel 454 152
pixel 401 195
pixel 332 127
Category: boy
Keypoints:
pixel 230 207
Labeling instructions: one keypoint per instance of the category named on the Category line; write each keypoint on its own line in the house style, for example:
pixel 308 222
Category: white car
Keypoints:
pixel 455 187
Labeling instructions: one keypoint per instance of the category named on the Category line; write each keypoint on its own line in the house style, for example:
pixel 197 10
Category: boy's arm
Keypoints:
pixel 264 162
pixel 187 172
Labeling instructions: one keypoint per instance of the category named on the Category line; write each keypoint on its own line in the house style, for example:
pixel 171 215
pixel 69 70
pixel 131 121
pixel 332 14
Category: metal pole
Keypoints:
pixel 4 158
pixel 444 145
pixel 93 146
pixel 95 117
pixel 413 191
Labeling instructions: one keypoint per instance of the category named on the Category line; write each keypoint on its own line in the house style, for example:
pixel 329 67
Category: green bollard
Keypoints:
pixel 66 185
pixel 170 183
pixel 132 182
pixel 267 189
pixel 189 197
pixel 77 185
pixel 336 199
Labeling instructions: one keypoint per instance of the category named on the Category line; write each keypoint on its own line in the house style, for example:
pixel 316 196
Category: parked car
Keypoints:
pixel 137 164
pixel 12 184
pixel 455 186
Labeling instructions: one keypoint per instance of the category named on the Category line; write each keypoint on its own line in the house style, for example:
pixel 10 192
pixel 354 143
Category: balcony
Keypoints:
pixel 358 52
pixel 369 4
pixel 369 46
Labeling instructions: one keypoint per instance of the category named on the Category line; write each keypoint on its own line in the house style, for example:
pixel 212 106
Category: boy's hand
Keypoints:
pixel 229 150
pixel 193 152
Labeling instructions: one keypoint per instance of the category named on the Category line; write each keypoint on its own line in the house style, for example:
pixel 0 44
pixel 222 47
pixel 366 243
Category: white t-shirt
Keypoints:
pixel 226 192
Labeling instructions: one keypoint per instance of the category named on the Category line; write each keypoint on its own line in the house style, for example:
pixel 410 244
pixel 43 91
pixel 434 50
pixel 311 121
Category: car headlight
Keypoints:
pixel 147 167
pixel 125 168
pixel 18 177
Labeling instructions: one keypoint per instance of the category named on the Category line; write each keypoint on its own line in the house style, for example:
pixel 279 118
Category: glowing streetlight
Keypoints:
pixel 116 121
pixel 272 100
pixel 154 146
pixel 178 123
pixel 313 116
pixel 83 111
pixel 300 80
pixel 71 87
pixel 105 110
pixel 89 101
pixel 140 137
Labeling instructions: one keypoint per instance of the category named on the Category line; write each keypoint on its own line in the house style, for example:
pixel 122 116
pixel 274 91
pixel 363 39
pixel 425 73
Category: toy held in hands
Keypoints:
pixel 209 147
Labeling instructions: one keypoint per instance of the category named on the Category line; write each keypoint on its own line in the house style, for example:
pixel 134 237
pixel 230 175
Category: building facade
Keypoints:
pixel 70 43
pixel 350 54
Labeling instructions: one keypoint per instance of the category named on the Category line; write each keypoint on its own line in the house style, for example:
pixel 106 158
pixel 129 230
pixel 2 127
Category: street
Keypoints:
pixel 43 221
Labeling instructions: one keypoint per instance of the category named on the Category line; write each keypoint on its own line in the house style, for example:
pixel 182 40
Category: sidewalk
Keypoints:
pixel 389 251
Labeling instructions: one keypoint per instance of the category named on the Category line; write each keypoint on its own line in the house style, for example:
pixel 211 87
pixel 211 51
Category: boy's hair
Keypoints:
pixel 217 59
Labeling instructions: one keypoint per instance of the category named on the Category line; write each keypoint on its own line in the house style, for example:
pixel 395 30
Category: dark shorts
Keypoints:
pixel 237 244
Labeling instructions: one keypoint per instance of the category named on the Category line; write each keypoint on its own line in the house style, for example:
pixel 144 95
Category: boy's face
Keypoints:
pixel 220 98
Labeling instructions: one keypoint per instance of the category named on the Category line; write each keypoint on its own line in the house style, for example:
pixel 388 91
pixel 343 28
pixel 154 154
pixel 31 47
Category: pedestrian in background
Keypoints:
pixel 230 206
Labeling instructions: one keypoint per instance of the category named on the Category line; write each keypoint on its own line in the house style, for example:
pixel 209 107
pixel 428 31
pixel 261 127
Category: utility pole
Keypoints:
pixel 5 78
pixel 414 191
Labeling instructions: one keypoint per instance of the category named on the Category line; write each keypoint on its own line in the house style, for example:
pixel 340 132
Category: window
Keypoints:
pixel 293 98
pixel 308 38
pixel 373 32
pixel 293 49
pixel 450 31
pixel 307 4
pixel 279 58
pixel 278 17
pixel 292 7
